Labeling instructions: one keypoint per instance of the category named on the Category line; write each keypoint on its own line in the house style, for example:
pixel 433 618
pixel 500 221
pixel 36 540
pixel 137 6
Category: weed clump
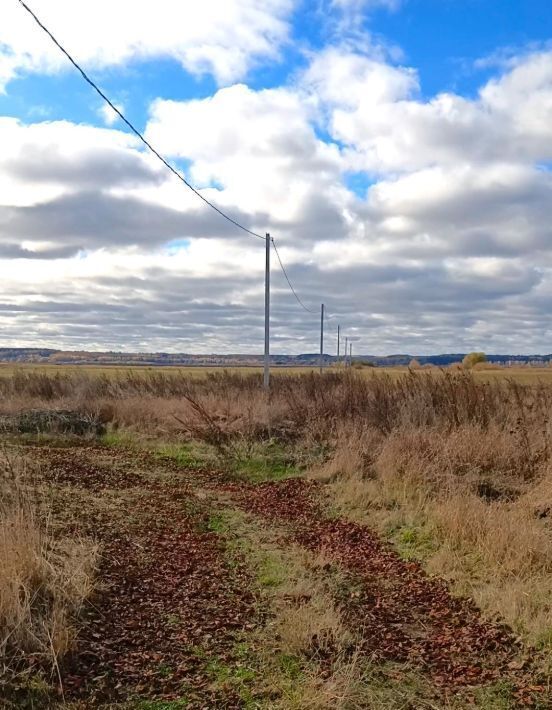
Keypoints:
pixel 43 584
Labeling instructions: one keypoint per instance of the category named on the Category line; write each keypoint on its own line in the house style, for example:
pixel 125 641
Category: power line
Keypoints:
pixel 133 128
pixel 155 152
pixel 299 301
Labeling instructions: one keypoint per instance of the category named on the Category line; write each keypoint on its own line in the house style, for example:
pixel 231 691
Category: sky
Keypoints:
pixel 398 151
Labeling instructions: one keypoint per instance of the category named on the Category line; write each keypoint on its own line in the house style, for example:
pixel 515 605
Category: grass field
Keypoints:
pixel 525 375
pixel 172 541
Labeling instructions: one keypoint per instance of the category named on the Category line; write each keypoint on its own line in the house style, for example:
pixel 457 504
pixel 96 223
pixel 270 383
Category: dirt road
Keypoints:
pixel 174 610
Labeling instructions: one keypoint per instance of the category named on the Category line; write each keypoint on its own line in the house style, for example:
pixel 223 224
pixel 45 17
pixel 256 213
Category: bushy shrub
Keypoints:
pixel 472 359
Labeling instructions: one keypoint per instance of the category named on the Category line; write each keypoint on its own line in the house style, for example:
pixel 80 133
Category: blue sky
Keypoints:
pixel 453 45
pixel 395 148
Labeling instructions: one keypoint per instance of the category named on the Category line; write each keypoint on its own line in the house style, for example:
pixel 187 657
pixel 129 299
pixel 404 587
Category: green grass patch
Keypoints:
pixel 271 571
pixel 249 461
pixel 413 541
pixel 164 670
pixel 193 454
pixel 290 666
pixel 241 677
pixel 262 461
pixel 217 523
pixel 499 696
pixel 120 438
pixel 544 639
pixel 161 704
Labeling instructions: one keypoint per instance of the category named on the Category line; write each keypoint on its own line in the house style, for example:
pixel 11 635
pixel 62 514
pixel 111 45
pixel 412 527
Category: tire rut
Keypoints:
pixel 167 603
pixel 403 614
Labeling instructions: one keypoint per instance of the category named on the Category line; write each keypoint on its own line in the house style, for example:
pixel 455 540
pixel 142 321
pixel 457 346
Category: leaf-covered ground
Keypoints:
pixel 172 607
pixel 405 615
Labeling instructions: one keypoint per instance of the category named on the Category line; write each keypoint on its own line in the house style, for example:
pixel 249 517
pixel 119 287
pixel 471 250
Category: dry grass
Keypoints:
pixel 304 626
pixel 306 655
pixel 306 622
pixel 44 580
pixel 454 467
pixel 472 503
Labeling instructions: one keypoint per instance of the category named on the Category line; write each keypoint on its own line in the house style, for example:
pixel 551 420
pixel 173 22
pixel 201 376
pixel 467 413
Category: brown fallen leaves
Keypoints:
pixel 168 600
pixel 403 614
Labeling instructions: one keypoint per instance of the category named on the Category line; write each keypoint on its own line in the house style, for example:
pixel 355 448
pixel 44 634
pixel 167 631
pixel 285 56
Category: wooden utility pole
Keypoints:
pixel 266 378
pixel 321 337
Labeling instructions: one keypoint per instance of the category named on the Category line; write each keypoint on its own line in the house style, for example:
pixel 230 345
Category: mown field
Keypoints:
pixel 172 541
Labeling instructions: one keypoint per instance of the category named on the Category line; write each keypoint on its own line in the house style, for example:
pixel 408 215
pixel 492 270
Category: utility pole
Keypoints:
pixel 266 379
pixel 338 334
pixel 321 337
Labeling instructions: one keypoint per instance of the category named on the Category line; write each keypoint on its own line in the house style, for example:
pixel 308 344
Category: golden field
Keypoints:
pixel 523 375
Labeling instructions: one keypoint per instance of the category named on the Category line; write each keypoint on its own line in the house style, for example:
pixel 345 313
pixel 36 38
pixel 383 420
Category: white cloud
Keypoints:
pixel 363 5
pixel 346 79
pixel 46 160
pixel 259 146
pixel 108 115
pixel 387 130
pixel 453 233
pixel 222 37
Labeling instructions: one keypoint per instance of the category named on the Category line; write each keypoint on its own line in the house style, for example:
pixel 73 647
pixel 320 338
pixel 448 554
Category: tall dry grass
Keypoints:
pixel 474 503
pixel 44 580
pixel 455 471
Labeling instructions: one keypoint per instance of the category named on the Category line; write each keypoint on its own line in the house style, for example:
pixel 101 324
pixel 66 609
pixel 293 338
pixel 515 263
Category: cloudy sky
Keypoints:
pixel 399 151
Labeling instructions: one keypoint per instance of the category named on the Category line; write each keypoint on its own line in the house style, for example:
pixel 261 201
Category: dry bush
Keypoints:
pixel 309 403
pixel 500 555
pixel 312 627
pixel 507 537
pixel 441 458
pixel 345 688
pixel 44 580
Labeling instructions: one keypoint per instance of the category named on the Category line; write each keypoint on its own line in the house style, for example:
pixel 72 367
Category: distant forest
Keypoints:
pixel 83 357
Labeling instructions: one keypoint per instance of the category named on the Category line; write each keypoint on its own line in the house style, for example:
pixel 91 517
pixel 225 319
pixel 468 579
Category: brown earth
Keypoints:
pixel 169 602
pixel 404 614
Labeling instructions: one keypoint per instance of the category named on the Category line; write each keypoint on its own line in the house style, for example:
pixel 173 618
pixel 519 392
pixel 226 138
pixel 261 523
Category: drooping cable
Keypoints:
pixel 136 132
pixel 155 152
pixel 294 292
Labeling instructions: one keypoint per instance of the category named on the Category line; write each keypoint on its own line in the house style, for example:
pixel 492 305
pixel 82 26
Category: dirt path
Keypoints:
pixel 170 603
pixel 404 615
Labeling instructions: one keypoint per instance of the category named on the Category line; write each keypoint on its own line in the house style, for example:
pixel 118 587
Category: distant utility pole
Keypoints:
pixel 321 337
pixel 338 334
pixel 266 378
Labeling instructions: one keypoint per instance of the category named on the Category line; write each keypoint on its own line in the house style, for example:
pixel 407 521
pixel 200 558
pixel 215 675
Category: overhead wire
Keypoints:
pixel 294 292
pixel 136 132
pixel 155 152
